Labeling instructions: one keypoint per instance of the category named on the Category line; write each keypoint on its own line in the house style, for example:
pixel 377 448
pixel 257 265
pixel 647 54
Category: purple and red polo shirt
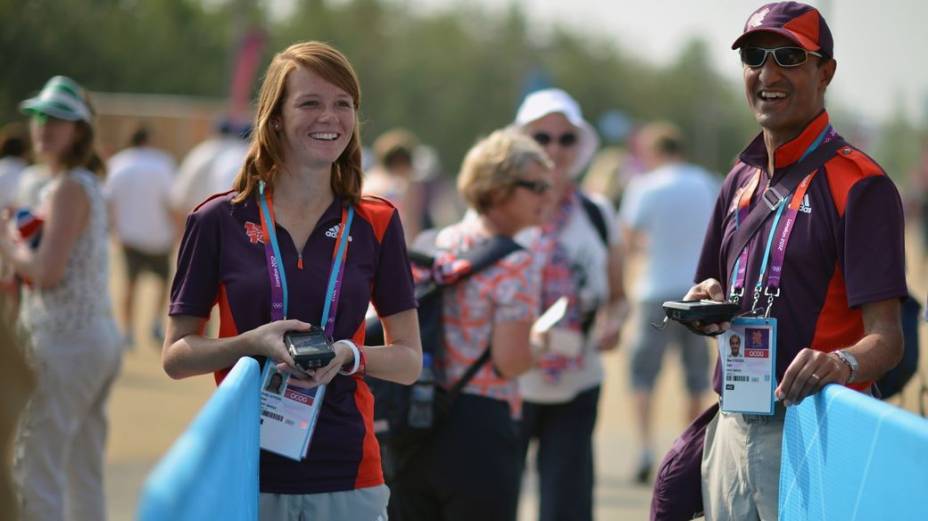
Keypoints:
pixel 846 250
pixel 222 261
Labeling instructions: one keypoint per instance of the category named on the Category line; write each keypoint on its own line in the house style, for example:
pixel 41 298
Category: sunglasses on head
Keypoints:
pixel 785 57
pixel 538 186
pixel 567 139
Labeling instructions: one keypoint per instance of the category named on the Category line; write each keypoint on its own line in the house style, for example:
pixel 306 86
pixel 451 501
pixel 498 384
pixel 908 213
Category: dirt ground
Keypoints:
pixel 148 411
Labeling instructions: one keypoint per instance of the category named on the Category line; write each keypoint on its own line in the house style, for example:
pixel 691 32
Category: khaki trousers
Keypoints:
pixel 58 461
pixel 741 467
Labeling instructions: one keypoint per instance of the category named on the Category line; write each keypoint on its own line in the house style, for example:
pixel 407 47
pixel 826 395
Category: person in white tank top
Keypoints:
pixel 66 313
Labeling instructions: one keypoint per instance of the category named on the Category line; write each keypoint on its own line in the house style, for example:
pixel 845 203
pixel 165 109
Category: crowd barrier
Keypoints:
pixel 211 471
pixel 847 456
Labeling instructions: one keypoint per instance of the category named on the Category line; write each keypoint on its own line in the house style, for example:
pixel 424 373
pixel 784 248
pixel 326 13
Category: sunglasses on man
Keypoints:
pixel 538 187
pixel 786 57
pixel 567 139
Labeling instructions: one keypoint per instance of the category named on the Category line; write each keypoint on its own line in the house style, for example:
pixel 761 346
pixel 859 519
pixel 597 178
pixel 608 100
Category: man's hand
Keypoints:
pixel 808 373
pixel 709 289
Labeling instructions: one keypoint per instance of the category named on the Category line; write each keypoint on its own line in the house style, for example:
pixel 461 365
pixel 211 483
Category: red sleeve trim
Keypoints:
pixel 378 212
pixel 844 170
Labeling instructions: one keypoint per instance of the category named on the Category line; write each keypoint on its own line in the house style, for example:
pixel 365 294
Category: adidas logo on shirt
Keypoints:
pixel 805 207
pixel 332 232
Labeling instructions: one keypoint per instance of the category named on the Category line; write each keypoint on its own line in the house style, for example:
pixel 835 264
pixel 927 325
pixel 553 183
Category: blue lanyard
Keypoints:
pixel 781 206
pixel 277 273
pixel 336 274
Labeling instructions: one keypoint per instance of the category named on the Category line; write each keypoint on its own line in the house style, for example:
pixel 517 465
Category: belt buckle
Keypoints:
pixel 773 203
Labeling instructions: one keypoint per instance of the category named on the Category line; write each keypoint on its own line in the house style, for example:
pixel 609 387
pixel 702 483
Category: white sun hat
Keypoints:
pixel 60 98
pixel 550 101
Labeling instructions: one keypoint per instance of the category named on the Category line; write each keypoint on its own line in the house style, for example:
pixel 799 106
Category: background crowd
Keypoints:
pixel 631 183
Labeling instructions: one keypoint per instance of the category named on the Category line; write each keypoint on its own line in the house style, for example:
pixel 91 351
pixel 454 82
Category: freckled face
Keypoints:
pixel 317 119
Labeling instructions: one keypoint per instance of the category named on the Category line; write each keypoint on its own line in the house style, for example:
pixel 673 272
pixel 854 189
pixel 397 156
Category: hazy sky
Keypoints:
pixel 880 46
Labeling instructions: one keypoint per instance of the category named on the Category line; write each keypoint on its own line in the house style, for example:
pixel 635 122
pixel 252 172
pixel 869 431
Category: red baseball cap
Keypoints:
pixel 801 23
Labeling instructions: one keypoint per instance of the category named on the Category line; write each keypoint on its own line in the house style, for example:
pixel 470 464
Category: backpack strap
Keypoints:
pixel 772 197
pixel 469 375
pixel 480 258
pixel 595 215
pixel 483 256
pixel 476 260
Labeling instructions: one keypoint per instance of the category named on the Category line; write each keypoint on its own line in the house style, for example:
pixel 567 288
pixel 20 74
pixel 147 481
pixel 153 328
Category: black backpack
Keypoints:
pixel 892 383
pixel 392 400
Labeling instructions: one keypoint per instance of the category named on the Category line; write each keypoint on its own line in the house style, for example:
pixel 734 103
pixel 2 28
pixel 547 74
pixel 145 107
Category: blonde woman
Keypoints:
pixel 470 468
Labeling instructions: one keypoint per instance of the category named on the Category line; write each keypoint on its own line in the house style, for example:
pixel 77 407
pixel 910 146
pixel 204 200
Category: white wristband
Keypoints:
pixel 357 358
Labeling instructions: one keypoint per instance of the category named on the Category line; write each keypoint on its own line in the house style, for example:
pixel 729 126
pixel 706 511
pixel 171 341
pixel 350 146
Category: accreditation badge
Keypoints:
pixel 747 353
pixel 289 413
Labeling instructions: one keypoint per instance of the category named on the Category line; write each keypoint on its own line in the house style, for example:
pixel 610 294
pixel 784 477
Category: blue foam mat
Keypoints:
pixel 211 471
pixel 847 456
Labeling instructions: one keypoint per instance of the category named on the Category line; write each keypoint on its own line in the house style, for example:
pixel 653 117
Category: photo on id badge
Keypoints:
pixel 275 382
pixel 748 355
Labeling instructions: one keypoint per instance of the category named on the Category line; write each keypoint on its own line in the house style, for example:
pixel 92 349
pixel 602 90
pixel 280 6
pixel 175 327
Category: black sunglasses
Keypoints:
pixel 785 57
pixel 539 186
pixel 567 139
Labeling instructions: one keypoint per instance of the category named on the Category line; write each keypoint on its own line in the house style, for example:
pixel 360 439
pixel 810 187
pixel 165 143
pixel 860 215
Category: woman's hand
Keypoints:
pixel 187 353
pixel 268 340
pixel 322 375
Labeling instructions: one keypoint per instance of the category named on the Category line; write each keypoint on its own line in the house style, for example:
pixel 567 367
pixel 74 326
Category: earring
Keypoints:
pixel 276 125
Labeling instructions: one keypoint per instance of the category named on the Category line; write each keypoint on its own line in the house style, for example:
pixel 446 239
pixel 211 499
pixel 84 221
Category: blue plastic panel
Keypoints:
pixel 211 471
pixel 847 456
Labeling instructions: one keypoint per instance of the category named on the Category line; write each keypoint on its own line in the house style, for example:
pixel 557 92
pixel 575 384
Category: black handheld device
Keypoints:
pixel 702 311
pixel 309 349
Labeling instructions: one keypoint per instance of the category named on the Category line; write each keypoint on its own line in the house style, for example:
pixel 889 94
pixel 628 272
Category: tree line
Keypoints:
pixel 449 76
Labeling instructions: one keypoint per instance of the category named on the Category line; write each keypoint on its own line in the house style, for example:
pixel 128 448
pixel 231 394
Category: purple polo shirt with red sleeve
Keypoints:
pixel 222 261
pixel 846 249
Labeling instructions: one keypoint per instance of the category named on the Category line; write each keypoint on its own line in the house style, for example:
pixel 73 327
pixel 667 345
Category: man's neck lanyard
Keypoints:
pixel 278 276
pixel 779 236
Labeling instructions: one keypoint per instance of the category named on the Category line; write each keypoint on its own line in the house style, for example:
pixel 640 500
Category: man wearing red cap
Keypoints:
pixel 807 236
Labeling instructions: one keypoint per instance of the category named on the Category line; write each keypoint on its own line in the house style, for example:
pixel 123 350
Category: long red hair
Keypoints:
pixel 265 155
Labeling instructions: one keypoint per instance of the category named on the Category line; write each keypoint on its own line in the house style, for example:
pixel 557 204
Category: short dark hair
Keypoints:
pixel 13 140
pixel 139 137
pixel 395 147
pixel 664 138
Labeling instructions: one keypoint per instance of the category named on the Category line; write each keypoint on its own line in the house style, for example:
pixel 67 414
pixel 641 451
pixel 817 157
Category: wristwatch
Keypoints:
pixel 851 362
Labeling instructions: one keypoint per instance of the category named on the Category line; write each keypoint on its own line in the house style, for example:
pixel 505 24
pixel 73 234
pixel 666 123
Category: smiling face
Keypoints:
pixel 785 100
pixel 735 344
pixel 317 119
